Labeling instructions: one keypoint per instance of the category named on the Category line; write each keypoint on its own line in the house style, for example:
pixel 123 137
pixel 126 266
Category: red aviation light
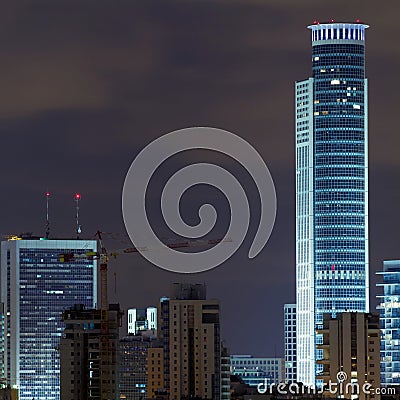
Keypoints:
pixel 77 196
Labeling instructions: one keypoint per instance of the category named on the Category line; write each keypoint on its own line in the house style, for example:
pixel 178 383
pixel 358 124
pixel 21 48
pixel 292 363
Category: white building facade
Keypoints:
pixel 140 319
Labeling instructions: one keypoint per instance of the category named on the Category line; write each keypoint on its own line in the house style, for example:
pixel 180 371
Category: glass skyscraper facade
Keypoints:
pixel 289 320
pixel 389 310
pixel 331 186
pixel 35 289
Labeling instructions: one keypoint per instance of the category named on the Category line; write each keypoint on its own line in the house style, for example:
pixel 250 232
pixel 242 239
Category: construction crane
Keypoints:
pixel 103 257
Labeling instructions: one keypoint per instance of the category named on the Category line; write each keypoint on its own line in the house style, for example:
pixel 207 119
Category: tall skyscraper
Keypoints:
pixel 289 321
pixel 389 309
pixel 331 185
pixel 35 289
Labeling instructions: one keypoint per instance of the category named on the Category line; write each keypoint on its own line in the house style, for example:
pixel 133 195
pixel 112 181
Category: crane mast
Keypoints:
pixel 104 328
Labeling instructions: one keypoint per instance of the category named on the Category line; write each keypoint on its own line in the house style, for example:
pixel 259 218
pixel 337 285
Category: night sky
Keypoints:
pixel 85 86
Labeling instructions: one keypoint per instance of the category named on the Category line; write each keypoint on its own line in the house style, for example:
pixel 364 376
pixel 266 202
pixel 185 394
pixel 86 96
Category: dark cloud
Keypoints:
pixel 85 86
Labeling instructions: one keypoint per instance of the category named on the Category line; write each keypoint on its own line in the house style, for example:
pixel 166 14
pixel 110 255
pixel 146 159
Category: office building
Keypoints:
pixel 134 362
pixel 289 320
pixel 88 372
pixel 194 343
pixel 350 354
pixel 258 370
pixel 389 309
pixel 331 185
pixel 35 289
pixel 142 319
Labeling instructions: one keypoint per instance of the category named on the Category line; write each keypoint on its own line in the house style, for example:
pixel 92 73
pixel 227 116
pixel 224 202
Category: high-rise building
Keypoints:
pixel 35 289
pixel 193 341
pixel 258 370
pixel 389 309
pixel 164 335
pixel 331 185
pixel 87 372
pixel 3 382
pixel 142 319
pixel 134 372
pixel 155 373
pixel 225 374
pixel 289 321
pixel 350 355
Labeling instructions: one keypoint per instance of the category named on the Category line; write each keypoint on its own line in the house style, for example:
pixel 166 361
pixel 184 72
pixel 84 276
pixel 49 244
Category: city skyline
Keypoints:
pixel 74 123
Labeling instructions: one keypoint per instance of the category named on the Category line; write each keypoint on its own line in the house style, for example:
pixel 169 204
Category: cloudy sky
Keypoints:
pixel 85 86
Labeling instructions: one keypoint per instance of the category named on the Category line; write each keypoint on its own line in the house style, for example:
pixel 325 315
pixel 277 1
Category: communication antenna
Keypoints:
pixel 78 226
pixel 47 215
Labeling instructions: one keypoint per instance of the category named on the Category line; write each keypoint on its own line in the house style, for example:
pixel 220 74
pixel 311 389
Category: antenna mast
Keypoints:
pixel 78 226
pixel 47 215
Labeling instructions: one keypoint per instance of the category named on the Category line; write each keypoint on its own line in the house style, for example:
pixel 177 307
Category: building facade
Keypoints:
pixel 289 321
pixel 225 374
pixel 258 370
pixel 134 372
pixel 389 309
pixel 88 372
pixel 192 344
pixel 3 383
pixel 350 354
pixel 331 186
pixel 35 289
pixel 142 319
pixel 164 335
pixel 155 374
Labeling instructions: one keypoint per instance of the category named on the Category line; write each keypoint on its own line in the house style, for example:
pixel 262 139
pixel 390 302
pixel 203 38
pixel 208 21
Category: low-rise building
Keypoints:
pixel 256 370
